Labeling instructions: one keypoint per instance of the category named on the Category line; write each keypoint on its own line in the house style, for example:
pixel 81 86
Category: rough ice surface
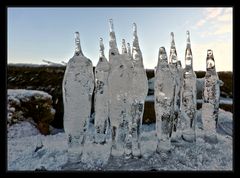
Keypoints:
pixel 139 90
pixel 188 96
pixel 101 96
pixel 164 87
pixel 176 68
pixel 78 85
pixel 211 98
pixel 120 92
pixel 120 79
pixel 52 155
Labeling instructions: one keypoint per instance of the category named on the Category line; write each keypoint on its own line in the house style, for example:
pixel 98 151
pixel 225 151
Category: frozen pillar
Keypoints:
pixel 211 97
pixel 188 96
pixel 78 84
pixel 101 96
pixel 164 87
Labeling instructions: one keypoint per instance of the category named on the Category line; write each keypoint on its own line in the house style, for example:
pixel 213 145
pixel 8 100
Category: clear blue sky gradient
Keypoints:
pixel 35 34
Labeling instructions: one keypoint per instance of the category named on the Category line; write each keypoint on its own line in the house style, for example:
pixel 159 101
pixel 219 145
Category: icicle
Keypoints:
pixel 162 57
pixel 188 96
pixel 172 40
pixel 210 60
pixel 129 50
pixel 188 53
pixel 113 50
pixel 188 40
pixel 173 52
pixel 173 62
pixel 211 97
pixel 164 102
pixel 135 46
pixel 124 48
pixel 77 87
pixel 138 93
pixel 111 25
pixel 101 97
pixel 78 50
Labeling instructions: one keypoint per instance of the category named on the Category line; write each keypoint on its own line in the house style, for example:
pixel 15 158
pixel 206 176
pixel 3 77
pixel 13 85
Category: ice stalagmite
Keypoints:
pixel 129 50
pixel 101 96
pixel 113 50
pixel 211 96
pixel 139 92
pixel 164 87
pixel 119 82
pixel 78 85
pixel 173 60
pixel 124 48
pixel 188 96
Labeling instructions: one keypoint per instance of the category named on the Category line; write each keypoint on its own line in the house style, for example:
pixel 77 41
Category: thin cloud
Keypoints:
pixel 219 19
pixel 213 12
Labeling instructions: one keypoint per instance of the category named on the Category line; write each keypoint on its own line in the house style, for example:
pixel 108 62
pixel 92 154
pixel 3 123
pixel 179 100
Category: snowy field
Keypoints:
pixel 29 150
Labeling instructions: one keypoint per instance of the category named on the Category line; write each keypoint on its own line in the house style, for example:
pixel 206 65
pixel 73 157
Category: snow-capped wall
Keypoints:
pixel 30 105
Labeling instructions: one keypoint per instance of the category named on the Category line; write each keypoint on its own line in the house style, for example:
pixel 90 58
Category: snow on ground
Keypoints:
pixel 29 150
pixel 22 94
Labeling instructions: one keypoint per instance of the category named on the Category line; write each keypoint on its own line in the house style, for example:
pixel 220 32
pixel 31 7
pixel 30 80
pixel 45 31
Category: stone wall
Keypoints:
pixel 30 105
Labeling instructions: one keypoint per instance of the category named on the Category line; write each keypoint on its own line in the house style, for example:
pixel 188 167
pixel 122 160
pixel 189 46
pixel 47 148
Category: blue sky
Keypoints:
pixel 35 34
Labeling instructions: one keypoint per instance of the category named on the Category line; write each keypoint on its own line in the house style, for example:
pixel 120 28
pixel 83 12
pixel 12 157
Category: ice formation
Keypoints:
pixel 139 90
pixel 78 85
pixel 113 50
pixel 124 48
pixel 129 50
pixel 175 66
pixel 101 96
pixel 119 80
pixel 188 96
pixel 211 97
pixel 164 87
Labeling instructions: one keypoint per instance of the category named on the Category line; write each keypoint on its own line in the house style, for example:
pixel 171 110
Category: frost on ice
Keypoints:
pixel 211 97
pixel 101 96
pixel 188 96
pixel 78 85
pixel 164 87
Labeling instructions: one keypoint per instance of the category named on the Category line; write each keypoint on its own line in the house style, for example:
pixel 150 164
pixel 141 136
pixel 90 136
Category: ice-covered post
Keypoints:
pixel 188 96
pixel 139 90
pixel 113 50
pixel 101 97
pixel 119 83
pixel 173 60
pixel 211 97
pixel 77 86
pixel 164 87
